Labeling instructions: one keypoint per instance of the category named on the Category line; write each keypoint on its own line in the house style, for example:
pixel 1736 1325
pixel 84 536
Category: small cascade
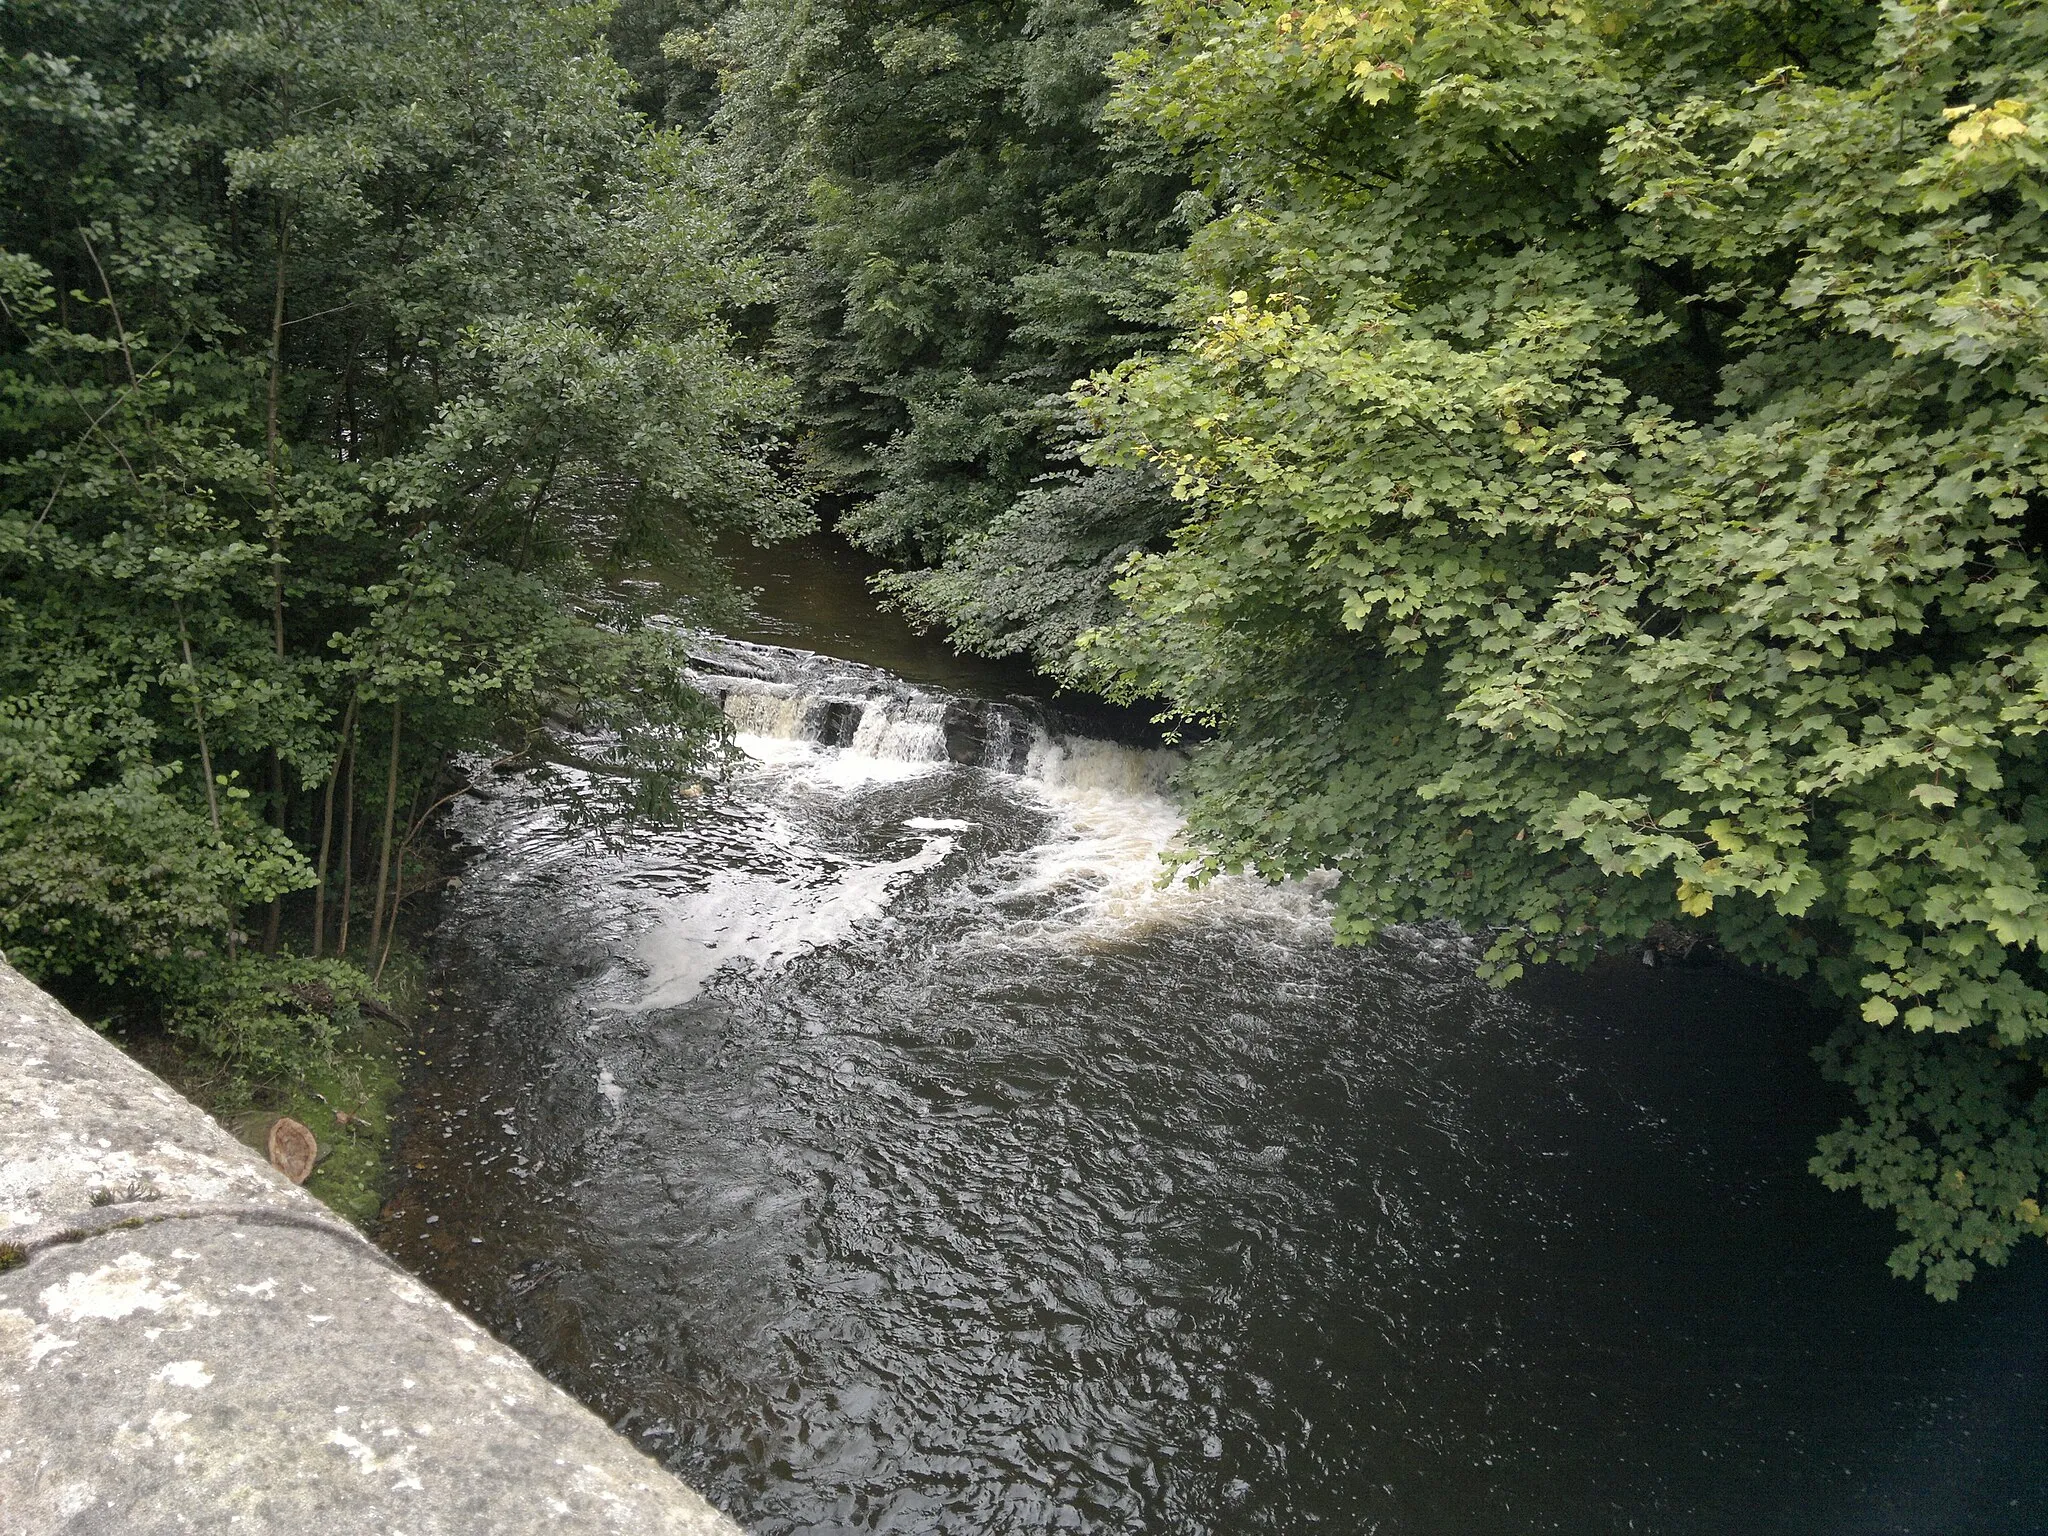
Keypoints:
pixel 910 729
pixel 1099 866
pixel 770 709
pixel 773 694
pixel 786 712
pixel 1086 765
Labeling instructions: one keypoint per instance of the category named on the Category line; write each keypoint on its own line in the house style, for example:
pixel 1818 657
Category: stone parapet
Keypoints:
pixel 190 1342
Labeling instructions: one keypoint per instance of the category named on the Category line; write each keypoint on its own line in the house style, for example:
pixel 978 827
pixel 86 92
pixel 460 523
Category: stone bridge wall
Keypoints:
pixel 189 1342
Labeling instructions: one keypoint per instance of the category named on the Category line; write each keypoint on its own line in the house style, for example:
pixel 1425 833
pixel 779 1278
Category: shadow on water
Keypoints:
pixel 813 593
pixel 886 1153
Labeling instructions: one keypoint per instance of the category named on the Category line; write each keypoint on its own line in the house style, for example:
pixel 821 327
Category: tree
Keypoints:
pixel 1609 447
pixel 955 241
pixel 345 346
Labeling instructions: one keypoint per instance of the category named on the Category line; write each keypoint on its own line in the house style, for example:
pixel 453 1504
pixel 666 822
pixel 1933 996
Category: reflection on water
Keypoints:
pixel 814 592
pixel 886 1152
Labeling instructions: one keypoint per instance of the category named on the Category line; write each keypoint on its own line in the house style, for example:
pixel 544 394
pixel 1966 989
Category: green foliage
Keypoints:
pixel 956 241
pixel 1039 575
pixel 269 1020
pixel 309 1039
pixel 360 1075
pixel 1609 443
pixel 342 347
pixel 674 83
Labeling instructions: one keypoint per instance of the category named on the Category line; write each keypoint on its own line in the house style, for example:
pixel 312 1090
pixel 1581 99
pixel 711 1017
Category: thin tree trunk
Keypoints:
pixel 275 916
pixel 348 732
pixel 271 442
pixel 199 719
pixel 391 932
pixel 114 309
pixel 205 756
pixel 345 423
pixel 414 824
pixel 390 815
pixel 348 852
pixel 391 927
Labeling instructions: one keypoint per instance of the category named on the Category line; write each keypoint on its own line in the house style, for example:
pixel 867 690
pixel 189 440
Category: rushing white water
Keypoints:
pixel 764 922
pixel 1106 861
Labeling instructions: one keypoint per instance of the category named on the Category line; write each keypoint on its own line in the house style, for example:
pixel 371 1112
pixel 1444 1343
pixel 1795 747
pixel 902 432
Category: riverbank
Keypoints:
pixel 344 1079
pixel 345 1095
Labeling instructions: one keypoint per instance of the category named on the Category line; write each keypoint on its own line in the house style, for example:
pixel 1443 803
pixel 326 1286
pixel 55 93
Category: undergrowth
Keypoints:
pixel 265 1036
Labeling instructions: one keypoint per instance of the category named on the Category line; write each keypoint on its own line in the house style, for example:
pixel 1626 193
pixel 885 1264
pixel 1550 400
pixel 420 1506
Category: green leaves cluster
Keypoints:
pixel 956 240
pixel 1611 458
pixel 343 348
pixel 269 1020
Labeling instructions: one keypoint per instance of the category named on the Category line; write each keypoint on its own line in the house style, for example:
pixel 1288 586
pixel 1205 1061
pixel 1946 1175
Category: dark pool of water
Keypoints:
pixel 814 592
pixel 883 1153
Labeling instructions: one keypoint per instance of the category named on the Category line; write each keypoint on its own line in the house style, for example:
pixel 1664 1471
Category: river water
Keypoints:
pixel 885 1151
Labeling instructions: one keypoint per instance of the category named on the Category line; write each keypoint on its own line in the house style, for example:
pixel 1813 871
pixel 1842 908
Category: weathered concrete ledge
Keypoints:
pixel 190 1342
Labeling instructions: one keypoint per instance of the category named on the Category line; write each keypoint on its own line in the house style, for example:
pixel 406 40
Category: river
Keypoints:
pixel 885 1152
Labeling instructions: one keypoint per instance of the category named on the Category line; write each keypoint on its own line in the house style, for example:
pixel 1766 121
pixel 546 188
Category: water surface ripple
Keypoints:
pixel 885 1154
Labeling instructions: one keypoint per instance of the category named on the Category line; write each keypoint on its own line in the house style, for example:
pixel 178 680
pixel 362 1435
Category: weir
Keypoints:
pixel 780 693
pixel 189 1342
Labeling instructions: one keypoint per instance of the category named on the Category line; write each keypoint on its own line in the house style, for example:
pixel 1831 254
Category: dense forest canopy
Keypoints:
pixel 959 242
pixel 343 345
pixel 1582 463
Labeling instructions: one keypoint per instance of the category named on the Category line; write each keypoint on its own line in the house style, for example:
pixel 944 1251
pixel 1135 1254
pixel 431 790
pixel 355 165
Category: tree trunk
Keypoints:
pixel 271 443
pixel 348 852
pixel 414 820
pixel 205 756
pixel 391 927
pixel 341 756
pixel 390 815
pixel 275 915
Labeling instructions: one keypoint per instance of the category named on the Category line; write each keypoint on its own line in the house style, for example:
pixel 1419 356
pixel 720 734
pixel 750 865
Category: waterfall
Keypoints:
pixel 1086 764
pixel 774 695
pixel 910 730
pixel 770 709
pixel 1098 869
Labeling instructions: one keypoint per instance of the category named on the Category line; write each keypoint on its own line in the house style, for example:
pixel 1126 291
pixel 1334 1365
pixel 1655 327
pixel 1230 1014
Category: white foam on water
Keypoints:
pixel 897 735
pixel 908 729
pixel 1103 867
pixel 831 765
pixel 766 922
pixel 777 711
pixel 1083 767
pixel 1108 866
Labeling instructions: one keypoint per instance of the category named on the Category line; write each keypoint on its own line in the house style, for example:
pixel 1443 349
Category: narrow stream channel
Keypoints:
pixel 885 1152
